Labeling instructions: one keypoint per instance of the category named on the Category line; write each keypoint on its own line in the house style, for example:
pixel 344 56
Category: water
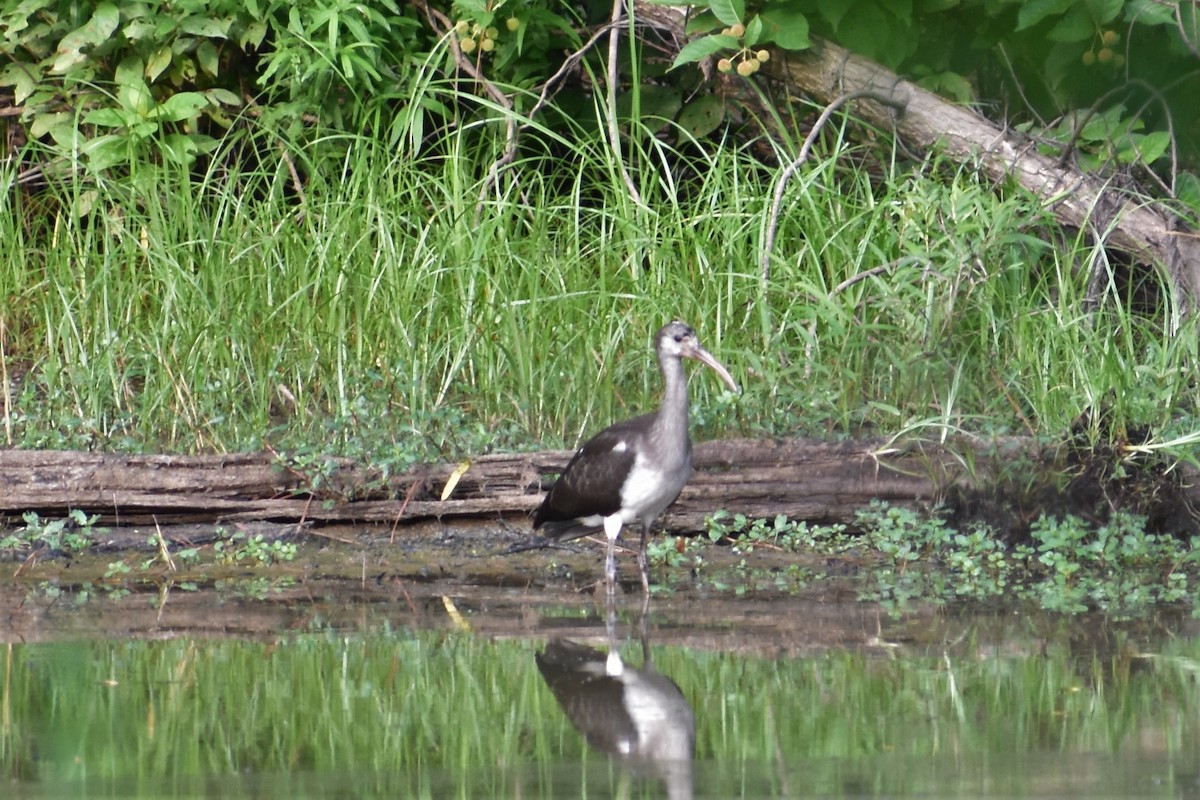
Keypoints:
pixel 355 689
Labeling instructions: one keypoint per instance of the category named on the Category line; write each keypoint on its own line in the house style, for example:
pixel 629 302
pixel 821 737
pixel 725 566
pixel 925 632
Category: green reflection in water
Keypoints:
pixel 438 715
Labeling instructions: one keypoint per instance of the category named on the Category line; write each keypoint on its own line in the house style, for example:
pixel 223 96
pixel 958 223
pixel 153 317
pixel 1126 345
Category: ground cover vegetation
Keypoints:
pixel 424 231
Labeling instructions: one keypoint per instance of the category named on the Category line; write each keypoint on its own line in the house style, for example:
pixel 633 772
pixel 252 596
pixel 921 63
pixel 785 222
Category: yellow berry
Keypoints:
pixel 491 33
pixel 460 26
pixel 745 68
pixel 1089 58
pixel 737 30
pixel 724 65
pixel 1104 56
pixel 1110 37
pixel 487 45
pixel 467 45
pixel 512 23
pixel 763 56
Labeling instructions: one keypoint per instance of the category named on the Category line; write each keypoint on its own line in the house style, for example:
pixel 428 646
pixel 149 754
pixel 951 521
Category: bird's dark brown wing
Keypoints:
pixel 591 483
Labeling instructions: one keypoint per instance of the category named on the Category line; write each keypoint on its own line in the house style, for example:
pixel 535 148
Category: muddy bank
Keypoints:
pixel 456 577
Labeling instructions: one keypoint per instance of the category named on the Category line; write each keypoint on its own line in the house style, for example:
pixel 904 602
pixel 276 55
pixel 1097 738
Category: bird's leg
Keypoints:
pixel 643 562
pixel 612 529
pixel 643 632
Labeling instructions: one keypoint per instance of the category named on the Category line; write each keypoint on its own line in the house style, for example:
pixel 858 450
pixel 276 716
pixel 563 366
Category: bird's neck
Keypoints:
pixel 673 417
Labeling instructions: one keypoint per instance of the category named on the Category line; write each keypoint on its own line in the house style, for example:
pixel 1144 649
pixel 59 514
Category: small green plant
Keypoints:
pixel 781 533
pixel 70 534
pixel 238 548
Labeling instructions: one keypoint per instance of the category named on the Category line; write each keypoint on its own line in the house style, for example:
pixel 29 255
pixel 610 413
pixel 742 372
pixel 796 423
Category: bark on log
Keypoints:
pixel 1119 220
pixel 820 482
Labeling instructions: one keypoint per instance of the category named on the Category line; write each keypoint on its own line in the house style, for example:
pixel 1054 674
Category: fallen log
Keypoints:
pixel 820 482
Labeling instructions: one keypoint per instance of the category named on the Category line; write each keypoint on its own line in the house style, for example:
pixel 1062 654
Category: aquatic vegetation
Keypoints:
pixel 70 534
pixel 1067 565
pixel 236 547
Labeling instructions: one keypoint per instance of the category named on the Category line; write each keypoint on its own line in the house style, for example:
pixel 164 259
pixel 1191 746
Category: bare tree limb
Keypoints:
pixel 1118 219
pixel 614 132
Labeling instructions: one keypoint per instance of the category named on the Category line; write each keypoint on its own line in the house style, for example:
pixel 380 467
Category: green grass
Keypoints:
pixel 431 714
pixel 389 310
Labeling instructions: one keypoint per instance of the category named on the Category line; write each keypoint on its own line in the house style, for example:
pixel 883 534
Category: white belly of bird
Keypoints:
pixel 647 491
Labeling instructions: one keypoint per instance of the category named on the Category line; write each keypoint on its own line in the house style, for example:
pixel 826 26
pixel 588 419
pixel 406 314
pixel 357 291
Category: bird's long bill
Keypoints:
pixel 702 355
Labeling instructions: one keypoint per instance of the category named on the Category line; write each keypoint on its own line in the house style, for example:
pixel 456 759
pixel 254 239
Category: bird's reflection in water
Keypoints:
pixel 635 714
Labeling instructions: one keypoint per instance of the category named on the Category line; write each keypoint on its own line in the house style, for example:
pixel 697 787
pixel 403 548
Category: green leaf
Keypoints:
pixel 1035 11
pixel 139 29
pixel 208 27
pixel 949 84
pixel 1187 189
pixel 1150 12
pixel 729 12
pixel 1146 149
pixel 43 123
pixel 787 27
pixel 222 97
pixel 181 106
pixel 20 77
pixel 109 118
pixel 98 29
pixel 1062 62
pixel 160 59
pixel 132 92
pixel 253 35
pixel 129 70
pixel 703 115
pixel 701 23
pixel 183 148
pixel 1104 11
pixel 832 11
pixel 1105 125
pixel 106 151
pixel 754 31
pixel 656 105
pixel 698 49
pixel 554 22
pixel 1075 26
pixel 206 57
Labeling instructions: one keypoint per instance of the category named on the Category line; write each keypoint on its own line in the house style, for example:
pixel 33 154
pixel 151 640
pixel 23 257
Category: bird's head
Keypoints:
pixel 678 340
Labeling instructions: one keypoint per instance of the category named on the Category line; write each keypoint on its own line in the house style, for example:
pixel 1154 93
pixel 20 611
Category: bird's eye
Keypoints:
pixel 679 337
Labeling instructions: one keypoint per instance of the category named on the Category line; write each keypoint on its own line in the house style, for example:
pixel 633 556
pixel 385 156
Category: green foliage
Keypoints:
pixel 896 556
pixel 514 42
pixel 1067 566
pixel 117 82
pixel 1123 69
pixel 68 535
pixel 1105 138
pixel 744 534
pixel 238 548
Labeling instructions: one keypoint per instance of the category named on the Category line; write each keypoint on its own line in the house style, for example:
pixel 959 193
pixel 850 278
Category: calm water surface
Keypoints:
pixel 469 692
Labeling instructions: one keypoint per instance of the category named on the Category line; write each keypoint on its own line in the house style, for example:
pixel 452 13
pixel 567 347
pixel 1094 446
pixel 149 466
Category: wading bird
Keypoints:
pixel 633 470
